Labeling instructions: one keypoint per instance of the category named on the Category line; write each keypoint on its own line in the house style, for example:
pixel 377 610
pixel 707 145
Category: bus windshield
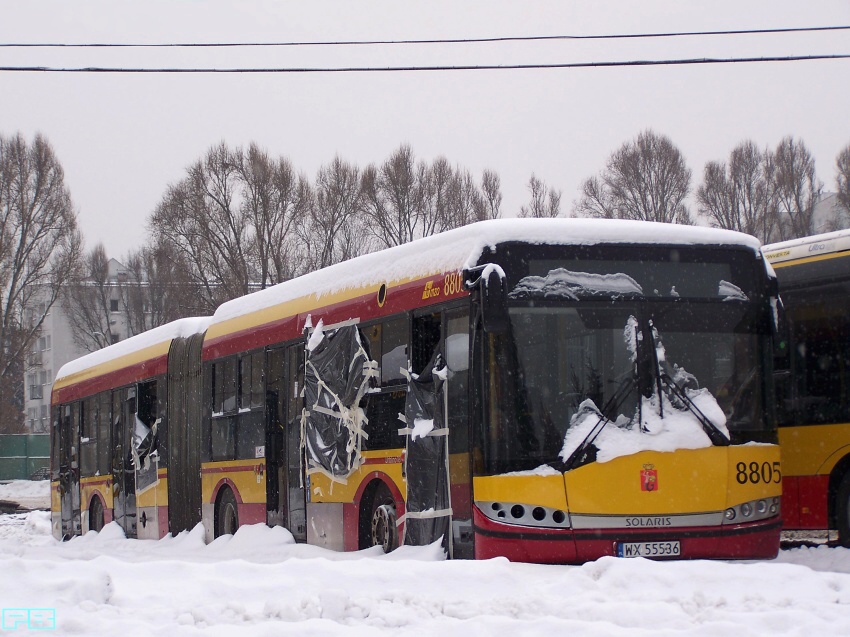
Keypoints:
pixel 569 359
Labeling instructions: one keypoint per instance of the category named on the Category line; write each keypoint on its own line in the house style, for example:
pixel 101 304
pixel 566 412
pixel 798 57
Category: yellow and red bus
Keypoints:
pixel 545 390
pixel 813 380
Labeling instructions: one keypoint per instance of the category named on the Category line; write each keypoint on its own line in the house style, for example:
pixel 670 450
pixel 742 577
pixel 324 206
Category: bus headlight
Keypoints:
pixel 752 511
pixel 524 514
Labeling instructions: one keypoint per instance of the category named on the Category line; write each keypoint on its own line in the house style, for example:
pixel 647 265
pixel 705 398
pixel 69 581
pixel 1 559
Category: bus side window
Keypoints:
pixel 224 406
pixel 88 437
pixel 393 352
pixel 457 359
pixel 820 349
pixel 250 428
pixel 387 344
pixel 104 403
pixel 782 374
pixel 224 386
pixel 426 339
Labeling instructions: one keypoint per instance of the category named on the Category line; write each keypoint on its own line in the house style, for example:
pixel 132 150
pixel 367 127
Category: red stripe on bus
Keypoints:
pixel 252 467
pixel 390 460
pixel 95 483
pixel 364 307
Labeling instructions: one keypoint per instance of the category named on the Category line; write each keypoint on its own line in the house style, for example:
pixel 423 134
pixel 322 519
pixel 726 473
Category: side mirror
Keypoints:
pixel 490 284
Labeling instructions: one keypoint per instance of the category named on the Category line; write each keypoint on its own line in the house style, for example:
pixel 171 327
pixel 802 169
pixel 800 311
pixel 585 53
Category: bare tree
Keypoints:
pixel 201 217
pixel 333 231
pixel 797 189
pixel 406 200
pixel 545 202
pixel 392 197
pixel 158 288
pixel 40 246
pixel 646 179
pixel 272 202
pixel 842 177
pixel 466 204
pixel 437 184
pixel 491 189
pixel 86 301
pixel 740 196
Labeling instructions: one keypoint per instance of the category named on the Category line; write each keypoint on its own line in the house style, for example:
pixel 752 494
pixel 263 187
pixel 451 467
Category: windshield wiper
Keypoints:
pixel 666 384
pixel 717 437
pixel 585 453
pixel 647 378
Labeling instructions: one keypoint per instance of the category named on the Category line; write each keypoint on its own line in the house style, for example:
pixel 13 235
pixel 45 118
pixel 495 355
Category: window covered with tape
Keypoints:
pixel 337 376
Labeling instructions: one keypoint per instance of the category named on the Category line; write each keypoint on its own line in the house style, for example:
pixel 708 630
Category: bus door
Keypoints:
pixel 438 469
pixel 69 469
pixel 456 350
pixel 123 468
pixel 285 495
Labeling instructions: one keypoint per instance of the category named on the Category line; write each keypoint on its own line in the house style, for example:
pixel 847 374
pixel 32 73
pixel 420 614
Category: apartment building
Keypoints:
pixel 55 346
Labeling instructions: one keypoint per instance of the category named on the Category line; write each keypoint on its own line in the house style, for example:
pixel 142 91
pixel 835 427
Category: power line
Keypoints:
pixel 531 38
pixel 391 69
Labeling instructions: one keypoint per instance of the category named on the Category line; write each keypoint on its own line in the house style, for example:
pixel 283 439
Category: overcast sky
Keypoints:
pixel 122 138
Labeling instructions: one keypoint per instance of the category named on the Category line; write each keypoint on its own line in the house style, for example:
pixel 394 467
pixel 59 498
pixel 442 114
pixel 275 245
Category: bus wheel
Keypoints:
pixel 843 508
pixel 227 514
pixel 95 515
pixel 383 520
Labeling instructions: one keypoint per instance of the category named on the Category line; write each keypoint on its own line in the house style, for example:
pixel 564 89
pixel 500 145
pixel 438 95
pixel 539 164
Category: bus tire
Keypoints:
pixel 382 520
pixel 95 515
pixel 226 513
pixel 843 510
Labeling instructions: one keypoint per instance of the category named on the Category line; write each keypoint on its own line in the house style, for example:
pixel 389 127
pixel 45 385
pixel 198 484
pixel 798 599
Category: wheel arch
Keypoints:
pixel 104 512
pixel 363 500
pixel 218 489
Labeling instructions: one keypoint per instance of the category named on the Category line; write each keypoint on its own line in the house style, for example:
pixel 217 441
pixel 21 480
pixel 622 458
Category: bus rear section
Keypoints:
pixel 121 452
pixel 626 407
pixel 812 363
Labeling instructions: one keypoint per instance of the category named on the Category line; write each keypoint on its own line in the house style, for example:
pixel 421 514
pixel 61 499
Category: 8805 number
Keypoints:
pixel 756 473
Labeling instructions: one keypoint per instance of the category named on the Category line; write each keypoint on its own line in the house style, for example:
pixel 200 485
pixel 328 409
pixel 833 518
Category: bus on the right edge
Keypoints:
pixel 812 371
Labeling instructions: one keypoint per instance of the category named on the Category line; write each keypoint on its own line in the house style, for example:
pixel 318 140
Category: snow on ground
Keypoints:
pixel 30 494
pixel 259 582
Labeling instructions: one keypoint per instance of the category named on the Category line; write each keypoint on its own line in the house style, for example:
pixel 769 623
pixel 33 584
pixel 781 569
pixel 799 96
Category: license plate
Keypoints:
pixel 649 549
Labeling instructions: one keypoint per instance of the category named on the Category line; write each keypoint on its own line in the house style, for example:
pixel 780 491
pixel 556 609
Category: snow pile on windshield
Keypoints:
pixel 565 284
pixel 730 291
pixel 678 429
pixel 662 422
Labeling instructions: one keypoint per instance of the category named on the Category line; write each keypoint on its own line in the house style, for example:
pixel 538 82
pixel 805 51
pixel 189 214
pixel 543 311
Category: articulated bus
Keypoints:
pixel 546 390
pixel 812 368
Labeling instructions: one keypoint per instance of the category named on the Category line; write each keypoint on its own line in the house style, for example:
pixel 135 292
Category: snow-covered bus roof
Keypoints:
pixel 136 349
pixel 462 247
pixel 813 246
pixel 445 252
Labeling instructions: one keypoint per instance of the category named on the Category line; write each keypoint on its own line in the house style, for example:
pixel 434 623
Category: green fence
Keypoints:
pixel 22 455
